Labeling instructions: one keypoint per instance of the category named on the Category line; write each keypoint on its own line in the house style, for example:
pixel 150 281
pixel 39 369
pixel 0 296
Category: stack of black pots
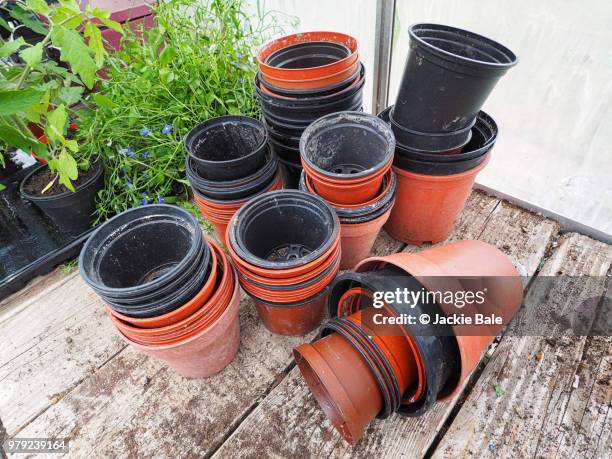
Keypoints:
pixel 301 78
pixel 436 119
pixel 229 161
pixel 443 138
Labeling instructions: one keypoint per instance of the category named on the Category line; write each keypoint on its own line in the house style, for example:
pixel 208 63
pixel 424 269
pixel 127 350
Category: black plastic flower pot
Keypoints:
pixel 305 93
pixel 449 73
pixel 437 167
pixel 280 221
pixel 285 152
pixel 142 251
pixel 283 138
pixel 233 189
pixel 308 54
pixel 70 211
pixel 291 173
pixel 347 145
pixel 227 147
pixel 439 142
pixel 172 298
pixel 307 109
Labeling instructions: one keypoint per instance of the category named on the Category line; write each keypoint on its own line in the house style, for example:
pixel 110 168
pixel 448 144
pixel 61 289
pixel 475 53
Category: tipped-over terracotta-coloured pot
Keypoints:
pixel 293 319
pixel 309 77
pixel 463 266
pixel 427 206
pixel 206 352
pixel 357 239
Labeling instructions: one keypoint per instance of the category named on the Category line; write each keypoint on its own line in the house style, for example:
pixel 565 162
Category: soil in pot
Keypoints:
pixel 71 211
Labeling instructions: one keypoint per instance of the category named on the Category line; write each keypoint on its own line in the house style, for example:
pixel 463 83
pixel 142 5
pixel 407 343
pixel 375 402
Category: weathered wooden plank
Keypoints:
pixel 134 405
pixel 553 395
pixel 50 342
pixel 289 423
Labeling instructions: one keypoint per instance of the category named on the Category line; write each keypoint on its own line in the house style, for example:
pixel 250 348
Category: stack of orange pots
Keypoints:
pixel 347 158
pixel 301 78
pixel 286 248
pixel 229 161
pixel 196 336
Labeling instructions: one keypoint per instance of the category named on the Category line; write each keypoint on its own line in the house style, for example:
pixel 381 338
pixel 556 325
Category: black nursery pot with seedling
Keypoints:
pixel 147 261
pixel 227 147
pixel 448 75
pixel 71 211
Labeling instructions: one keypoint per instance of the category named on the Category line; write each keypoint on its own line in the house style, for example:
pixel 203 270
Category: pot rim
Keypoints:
pixel 97 163
pixel 443 178
pixel 310 72
pixel 414 28
pixel 162 211
pixel 326 122
pixel 212 122
pixel 287 266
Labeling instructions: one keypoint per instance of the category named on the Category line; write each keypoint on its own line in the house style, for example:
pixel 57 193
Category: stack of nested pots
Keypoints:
pixel 301 78
pixel 380 353
pixel 170 293
pixel 229 161
pixel 443 138
pixel 285 246
pixel 347 159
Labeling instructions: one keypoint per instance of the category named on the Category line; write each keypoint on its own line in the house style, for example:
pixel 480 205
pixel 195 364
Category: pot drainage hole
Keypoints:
pixel 347 168
pixel 288 252
pixel 156 273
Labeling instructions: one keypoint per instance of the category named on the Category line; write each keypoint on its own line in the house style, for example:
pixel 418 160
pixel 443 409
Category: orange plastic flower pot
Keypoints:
pixel 341 382
pixel 312 77
pixel 188 308
pixel 427 206
pixel 459 267
pixel 206 352
pixel 294 319
pixel 358 239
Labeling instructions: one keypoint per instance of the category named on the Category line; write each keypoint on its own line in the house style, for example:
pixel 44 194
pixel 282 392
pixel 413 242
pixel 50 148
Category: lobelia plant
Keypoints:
pixel 35 90
pixel 194 64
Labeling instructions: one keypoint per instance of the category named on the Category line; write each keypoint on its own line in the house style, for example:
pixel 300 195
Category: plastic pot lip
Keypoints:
pixel 275 197
pixel 308 72
pixel 438 168
pixel 212 122
pixel 431 142
pixel 82 187
pixel 307 102
pixel 294 304
pixel 233 203
pixel 90 254
pixel 328 122
pixel 300 93
pixel 368 219
pixel 354 210
pixel 228 275
pixel 414 29
pixel 343 185
pixel 189 337
pixel 187 308
pixel 442 178
pixel 339 50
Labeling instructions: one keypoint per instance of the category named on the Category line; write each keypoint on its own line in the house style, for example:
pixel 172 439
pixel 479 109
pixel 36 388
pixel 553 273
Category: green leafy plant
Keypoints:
pixel 36 90
pixel 196 63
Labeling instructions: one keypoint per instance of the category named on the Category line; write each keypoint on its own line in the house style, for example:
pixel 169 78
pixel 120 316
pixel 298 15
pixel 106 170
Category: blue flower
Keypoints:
pixel 166 129
pixel 144 195
pixel 144 131
pixel 146 176
pixel 130 185
pixel 128 151
pixel 160 200
pixel 145 155
pixel 143 202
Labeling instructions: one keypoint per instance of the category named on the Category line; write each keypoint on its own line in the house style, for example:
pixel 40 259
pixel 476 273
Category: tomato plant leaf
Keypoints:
pixel 32 55
pixel 103 101
pixel 14 138
pixel 70 95
pixel 76 53
pixel 95 43
pixel 56 122
pixel 10 47
pixel 12 102
pixel 104 18
pixel 38 6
